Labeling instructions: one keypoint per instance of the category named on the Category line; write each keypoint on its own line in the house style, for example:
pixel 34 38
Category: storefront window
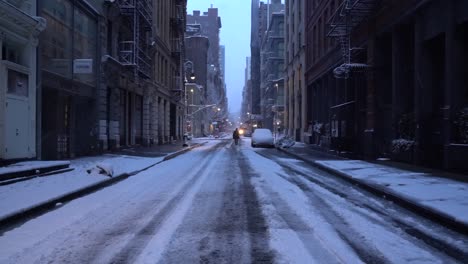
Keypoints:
pixel 84 47
pixel 57 38
pixel 69 41
pixel 18 83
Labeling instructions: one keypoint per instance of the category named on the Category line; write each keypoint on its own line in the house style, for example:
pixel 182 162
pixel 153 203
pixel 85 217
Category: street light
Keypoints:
pixel 187 65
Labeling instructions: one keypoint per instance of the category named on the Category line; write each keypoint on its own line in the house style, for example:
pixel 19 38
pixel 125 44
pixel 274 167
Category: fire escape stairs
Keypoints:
pixel 135 50
pixel 348 16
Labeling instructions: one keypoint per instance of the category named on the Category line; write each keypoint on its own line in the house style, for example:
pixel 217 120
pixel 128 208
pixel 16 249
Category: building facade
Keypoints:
pixel 272 69
pixel 124 101
pixel 19 31
pixel 196 56
pixel 258 27
pixel 246 107
pixel 295 117
pixel 69 62
pixel 144 105
pixel 210 24
pixel 395 86
pixel 168 72
pixel 110 75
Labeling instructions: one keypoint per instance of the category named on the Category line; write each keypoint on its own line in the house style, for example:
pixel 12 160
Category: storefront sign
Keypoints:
pixel 83 66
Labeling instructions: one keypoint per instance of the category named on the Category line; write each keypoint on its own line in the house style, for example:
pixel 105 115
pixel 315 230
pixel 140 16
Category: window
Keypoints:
pixel 69 43
pixel 57 38
pixel 314 46
pixel 18 83
pixel 110 48
pixel 281 49
pixel 281 29
pixel 11 52
pixel 320 38
pixel 85 45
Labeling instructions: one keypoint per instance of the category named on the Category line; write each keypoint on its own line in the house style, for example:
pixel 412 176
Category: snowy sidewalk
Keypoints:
pixel 27 195
pixel 429 190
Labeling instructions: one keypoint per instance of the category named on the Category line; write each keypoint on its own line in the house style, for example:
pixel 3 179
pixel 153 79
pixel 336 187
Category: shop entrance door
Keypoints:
pixel 16 128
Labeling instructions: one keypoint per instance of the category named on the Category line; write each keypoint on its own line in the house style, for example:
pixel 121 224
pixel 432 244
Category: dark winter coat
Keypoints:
pixel 235 134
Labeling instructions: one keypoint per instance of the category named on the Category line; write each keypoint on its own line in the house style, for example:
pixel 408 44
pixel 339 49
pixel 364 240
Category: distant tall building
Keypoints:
pixel 246 106
pixel 255 40
pixel 222 61
pixel 272 62
pixel 210 24
pixel 196 56
pixel 261 13
pixel 222 64
pixel 248 74
pixel 272 65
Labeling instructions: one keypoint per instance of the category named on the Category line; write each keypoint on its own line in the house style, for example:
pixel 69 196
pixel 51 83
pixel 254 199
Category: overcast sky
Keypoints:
pixel 235 35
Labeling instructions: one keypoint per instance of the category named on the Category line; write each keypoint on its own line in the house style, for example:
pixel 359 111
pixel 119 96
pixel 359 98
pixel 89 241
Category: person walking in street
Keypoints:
pixel 235 136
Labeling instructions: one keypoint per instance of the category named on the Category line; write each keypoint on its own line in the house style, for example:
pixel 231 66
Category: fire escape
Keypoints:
pixel 135 48
pixel 348 15
pixel 177 22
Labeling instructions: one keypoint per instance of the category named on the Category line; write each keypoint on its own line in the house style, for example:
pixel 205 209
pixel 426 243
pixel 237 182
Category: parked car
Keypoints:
pixel 262 137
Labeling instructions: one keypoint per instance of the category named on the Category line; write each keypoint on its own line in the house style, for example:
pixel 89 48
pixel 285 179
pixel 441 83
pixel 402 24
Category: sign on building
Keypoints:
pixel 83 66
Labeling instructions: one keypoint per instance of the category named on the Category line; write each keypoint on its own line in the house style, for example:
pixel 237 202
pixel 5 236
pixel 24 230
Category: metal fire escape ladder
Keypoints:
pixel 349 15
pixel 135 51
pixel 177 22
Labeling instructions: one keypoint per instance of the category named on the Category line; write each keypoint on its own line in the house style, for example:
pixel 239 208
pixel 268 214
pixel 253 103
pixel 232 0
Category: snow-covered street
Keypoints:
pixel 221 203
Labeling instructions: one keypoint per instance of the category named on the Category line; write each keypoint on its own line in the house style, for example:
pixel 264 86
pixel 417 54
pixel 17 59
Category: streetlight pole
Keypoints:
pixel 187 64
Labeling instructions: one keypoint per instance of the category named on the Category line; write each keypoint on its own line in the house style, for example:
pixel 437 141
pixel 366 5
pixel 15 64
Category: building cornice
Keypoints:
pixel 20 22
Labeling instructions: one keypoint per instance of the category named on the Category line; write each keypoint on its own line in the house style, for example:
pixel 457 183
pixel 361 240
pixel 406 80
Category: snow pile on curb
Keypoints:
pixel 102 168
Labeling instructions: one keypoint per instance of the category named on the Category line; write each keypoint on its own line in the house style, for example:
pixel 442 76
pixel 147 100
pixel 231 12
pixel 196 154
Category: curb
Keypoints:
pixel 13 218
pixel 180 152
pixel 425 211
pixel 36 171
pixel 20 179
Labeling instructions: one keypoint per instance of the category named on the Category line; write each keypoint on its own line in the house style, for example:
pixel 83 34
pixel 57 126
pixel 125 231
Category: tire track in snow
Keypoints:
pixel 388 219
pixel 256 223
pixel 137 245
pixel 227 242
pixel 365 250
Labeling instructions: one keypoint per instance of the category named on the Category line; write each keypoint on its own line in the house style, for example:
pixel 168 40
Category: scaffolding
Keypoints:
pixel 349 15
pixel 135 48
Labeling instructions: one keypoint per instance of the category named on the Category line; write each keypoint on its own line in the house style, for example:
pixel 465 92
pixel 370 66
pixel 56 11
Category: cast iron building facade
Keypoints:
pixel 110 75
pixel 69 61
pixel 123 101
pixel 144 48
pixel 401 89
